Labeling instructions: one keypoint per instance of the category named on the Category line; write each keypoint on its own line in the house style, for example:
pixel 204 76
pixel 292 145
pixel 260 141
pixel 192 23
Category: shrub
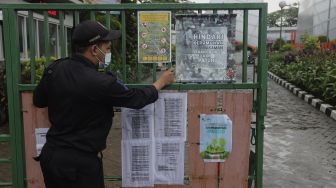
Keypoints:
pixel 310 43
pixel 287 47
pixel 40 64
pixel 238 46
pixel 333 43
pixel 315 73
pixel 277 44
pixel 323 38
pixel 254 51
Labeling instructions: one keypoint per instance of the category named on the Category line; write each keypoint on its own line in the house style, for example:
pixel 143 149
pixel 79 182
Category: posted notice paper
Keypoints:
pixel 171 116
pixel 153 142
pixel 169 161
pixel 215 137
pixel 138 124
pixel 40 135
pixel 137 163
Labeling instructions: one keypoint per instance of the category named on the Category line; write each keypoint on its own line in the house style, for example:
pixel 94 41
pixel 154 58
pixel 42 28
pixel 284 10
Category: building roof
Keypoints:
pixel 283 28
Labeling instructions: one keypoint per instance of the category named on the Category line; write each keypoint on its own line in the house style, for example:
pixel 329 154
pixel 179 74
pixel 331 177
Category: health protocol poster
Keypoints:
pixel 215 137
pixel 205 48
pixel 154 34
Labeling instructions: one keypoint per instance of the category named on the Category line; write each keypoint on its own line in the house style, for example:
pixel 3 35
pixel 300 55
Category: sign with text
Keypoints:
pixel 215 137
pixel 205 47
pixel 154 31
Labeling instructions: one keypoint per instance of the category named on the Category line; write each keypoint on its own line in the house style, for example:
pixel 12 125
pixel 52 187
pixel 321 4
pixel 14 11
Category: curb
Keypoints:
pixel 320 105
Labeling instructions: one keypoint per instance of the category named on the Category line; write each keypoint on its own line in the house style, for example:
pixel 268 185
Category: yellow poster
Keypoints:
pixel 154 36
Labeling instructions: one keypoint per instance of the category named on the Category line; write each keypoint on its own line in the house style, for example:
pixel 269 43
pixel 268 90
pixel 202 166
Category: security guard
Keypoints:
pixel 80 104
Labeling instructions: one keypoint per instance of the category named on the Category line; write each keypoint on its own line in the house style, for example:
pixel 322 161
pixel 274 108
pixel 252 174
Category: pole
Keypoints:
pixel 328 24
pixel 281 26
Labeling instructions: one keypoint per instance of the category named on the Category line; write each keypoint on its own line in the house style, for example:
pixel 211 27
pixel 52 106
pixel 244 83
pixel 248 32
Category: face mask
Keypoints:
pixel 107 59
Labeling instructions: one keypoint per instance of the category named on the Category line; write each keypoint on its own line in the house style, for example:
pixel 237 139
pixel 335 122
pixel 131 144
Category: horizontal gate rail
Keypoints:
pixel 156 6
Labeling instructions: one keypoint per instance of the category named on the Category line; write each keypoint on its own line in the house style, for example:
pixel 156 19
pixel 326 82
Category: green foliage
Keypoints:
pixel 278 44
pixel 238 46
pixel 287 47
pixel 289 18
pixel 255 51
pixel 40 64
pixel 313 72
pixel 323 38
pixel 276 57
pixel 310 43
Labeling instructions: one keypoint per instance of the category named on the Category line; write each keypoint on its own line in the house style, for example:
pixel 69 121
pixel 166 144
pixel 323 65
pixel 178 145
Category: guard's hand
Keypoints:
pixel 168 77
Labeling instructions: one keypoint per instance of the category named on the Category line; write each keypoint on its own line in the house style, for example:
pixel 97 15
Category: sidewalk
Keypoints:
pixel 300 143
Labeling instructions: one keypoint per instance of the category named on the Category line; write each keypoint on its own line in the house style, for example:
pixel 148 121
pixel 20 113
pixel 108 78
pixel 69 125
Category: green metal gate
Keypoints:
pixel 15 85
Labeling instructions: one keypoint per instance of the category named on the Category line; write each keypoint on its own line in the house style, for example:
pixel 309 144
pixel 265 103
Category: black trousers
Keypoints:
pixel 71 168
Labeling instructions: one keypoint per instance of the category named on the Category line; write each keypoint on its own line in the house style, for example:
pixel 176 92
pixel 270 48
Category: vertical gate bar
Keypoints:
pixel 261 95
pixel 76 17
pixel 137 68
pixel 108 19
pixel 140 74
pixel 61 33
pixel 12 62
pixel 254 90
pixel 137 76
pixel 139 65
pixel 245 41
pixel 93 15
pixel 123 44
pixel 262 65
pixel 46 37
pixel 31 34
pixel 9 80
pixel 154 72
pixel 108 26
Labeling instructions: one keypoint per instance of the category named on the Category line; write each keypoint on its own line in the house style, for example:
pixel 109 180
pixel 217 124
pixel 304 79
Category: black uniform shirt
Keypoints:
pixel 80 102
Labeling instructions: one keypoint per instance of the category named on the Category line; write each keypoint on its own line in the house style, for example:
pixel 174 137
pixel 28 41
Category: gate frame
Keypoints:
pixel 13 70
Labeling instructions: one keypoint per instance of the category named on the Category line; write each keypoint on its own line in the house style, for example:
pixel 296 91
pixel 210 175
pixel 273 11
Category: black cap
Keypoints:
pixel 90 32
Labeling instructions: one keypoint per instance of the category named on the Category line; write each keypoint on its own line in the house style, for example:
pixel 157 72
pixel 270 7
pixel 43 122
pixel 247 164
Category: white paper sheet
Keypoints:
pixel 149 158
pixel 171 115
pixel 138 124
pixel 169 162
pixel 40 135
pixel 137 163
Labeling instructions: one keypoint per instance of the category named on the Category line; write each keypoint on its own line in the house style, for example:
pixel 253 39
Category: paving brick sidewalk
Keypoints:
pixel 300 143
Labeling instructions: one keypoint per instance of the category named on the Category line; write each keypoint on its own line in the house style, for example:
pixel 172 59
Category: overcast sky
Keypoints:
pixel 273 5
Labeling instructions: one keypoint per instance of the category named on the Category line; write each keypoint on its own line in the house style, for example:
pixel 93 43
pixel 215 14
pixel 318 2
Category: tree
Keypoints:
pixel 289 18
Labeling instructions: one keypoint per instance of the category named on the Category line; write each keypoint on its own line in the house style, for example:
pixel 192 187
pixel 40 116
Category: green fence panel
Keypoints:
pixel 13 65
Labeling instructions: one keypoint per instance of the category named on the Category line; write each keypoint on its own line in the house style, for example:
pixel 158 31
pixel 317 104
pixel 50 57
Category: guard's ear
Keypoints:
pixel 93 49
